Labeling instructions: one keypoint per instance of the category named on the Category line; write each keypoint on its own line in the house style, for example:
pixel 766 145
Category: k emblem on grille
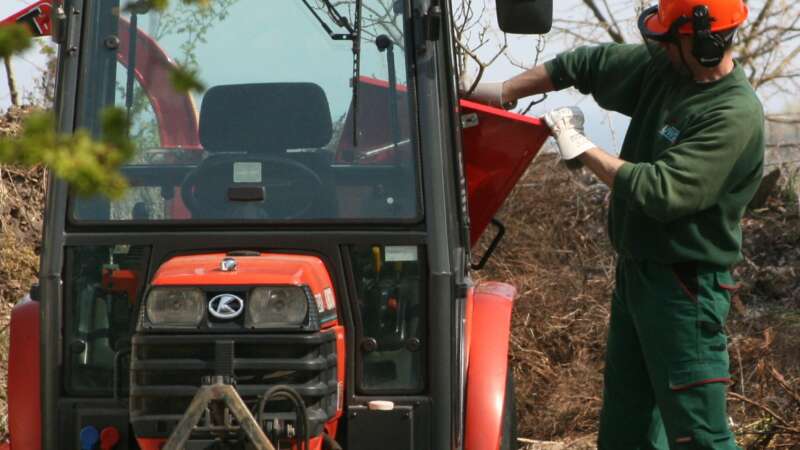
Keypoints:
pixel 226 306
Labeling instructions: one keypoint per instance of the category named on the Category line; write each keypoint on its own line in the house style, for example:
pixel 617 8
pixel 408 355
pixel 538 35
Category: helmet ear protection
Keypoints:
pixel 707 47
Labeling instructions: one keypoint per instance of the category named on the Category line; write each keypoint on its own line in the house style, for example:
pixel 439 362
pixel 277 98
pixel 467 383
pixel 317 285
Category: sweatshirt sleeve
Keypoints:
pixel 691 175
pixel 611 73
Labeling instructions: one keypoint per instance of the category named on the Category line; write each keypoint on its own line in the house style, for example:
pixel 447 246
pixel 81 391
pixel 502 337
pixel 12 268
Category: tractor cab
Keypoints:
pixel 289 267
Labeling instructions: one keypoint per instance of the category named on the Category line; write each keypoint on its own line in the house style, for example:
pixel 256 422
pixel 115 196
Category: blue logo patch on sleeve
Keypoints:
pixel 670 133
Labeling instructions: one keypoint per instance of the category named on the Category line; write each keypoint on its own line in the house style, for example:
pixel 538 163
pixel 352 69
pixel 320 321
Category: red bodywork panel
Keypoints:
pixel 497 150
pixel 36 16
pixel 266 268
pixel 24 374
pixel 487 331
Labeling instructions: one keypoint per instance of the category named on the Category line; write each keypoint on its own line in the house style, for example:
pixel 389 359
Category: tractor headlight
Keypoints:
pixel 175 307
pixel 276 306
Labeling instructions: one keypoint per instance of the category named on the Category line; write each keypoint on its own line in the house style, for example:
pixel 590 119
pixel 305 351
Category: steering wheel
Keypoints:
pixel 291 189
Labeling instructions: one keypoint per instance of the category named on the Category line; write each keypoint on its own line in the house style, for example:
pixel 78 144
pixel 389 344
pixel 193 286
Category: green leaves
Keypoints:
pixel 90 166
pixel 184 80
pixel 14 38
pixel 141 6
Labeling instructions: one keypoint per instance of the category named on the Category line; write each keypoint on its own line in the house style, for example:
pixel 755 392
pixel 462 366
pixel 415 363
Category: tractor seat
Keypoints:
pixel 246 131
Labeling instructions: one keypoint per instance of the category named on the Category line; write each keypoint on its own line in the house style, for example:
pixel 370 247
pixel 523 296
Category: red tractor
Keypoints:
pixel 290 267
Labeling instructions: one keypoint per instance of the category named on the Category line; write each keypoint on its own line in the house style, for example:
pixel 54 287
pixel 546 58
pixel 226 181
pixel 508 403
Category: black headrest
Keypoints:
pixel 264 117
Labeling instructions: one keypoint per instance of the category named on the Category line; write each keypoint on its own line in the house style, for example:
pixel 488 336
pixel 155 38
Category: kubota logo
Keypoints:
pixel 226 306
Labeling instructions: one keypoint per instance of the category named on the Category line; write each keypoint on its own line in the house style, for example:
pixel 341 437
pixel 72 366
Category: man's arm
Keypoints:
pixel 686 178
pixel 603 164
pixel 566 124
pixel 531 82
pixel 505 94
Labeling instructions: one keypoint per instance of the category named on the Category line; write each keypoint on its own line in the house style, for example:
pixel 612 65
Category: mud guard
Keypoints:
pixel 487 333
pixel 24 395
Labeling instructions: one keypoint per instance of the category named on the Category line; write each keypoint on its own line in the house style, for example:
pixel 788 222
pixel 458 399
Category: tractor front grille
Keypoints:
pixel 167 370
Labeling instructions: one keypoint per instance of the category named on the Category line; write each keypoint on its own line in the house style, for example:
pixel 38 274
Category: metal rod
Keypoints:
pixel 228 395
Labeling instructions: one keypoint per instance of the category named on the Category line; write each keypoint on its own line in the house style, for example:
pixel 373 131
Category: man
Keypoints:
pixel 691 161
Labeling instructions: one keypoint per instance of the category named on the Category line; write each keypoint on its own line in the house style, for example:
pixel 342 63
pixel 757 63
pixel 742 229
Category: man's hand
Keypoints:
pixel 487 93
pixel 566 124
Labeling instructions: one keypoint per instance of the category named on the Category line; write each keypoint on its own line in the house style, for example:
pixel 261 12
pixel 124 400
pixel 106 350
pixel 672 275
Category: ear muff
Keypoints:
pixel 708 48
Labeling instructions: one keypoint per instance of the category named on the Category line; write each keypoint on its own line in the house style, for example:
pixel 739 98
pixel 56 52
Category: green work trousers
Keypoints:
pixel 667 367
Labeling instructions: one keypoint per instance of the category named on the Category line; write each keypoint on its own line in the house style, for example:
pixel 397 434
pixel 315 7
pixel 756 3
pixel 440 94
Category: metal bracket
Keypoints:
pixel 501 231
pixel 469 120
pixel 427 27
pixel 225 393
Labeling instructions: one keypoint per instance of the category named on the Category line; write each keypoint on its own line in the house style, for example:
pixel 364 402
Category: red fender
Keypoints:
pixel 24 400
pixel 488 327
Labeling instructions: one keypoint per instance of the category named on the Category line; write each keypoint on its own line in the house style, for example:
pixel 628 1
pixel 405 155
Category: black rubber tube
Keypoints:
pixel 290 394
pixel 329 443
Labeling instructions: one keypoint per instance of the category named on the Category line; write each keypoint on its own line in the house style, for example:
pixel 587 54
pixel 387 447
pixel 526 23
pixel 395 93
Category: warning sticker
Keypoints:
pixel 247 172
pixel 330 303
pixel 401 253
pixel 318 300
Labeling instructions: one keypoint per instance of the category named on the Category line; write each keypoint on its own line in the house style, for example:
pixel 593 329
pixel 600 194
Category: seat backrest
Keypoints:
pixel 264 118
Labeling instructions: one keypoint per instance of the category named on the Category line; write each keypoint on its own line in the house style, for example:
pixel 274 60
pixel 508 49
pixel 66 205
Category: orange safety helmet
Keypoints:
pixel 658 22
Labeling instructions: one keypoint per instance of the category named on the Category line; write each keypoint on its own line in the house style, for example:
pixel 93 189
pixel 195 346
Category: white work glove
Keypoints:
pixel 566 124
pixel 487 93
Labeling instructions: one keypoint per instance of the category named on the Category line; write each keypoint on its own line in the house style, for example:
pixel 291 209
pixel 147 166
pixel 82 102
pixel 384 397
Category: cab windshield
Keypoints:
pixel 277 134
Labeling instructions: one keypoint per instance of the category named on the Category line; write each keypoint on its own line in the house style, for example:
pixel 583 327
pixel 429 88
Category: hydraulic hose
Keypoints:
pixel 289 393
pixel 329 443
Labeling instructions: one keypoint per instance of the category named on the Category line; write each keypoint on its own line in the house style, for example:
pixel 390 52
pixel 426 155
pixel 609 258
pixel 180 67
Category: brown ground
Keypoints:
pixel 557 255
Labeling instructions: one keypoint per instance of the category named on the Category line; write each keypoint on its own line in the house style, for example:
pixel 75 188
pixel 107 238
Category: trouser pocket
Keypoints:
pixel 711 292
pixel 694 410
pixel 687 375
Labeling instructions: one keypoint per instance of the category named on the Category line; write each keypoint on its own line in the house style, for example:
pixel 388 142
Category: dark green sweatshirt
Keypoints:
pixel 695 153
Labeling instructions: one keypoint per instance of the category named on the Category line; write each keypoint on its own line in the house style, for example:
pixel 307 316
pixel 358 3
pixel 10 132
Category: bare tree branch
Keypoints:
pixel 611 28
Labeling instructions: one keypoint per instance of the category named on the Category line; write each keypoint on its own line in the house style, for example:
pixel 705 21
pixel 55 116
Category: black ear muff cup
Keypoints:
pixel 707 47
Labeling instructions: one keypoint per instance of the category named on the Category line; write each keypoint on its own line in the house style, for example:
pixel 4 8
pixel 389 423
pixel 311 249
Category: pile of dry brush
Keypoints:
pixel 21 203
pixel 556 254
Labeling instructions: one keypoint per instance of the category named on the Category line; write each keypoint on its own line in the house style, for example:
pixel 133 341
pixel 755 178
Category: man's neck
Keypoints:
pixel 711 74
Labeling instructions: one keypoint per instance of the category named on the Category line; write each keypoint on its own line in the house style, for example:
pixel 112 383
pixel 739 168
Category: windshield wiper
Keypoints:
pixel 338 19
pixel 353 34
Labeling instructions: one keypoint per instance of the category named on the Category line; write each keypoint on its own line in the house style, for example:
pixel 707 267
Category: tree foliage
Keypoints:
pixel 14 39
pixel 90 164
